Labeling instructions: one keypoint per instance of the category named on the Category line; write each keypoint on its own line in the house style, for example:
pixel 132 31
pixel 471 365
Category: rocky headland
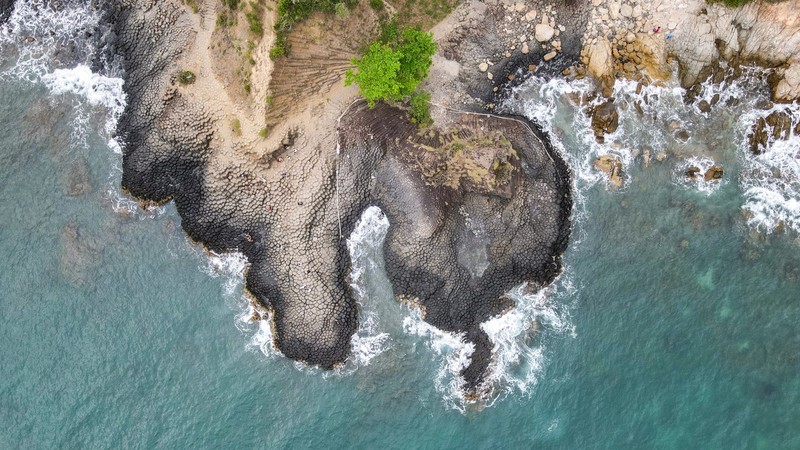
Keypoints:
pixel 278 159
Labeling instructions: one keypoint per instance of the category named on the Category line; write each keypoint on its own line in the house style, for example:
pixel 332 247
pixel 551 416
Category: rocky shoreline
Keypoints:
pixel 290 214
pixel 464 230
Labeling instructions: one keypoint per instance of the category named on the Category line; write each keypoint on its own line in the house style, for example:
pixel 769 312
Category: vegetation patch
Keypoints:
pixel 187 77
pixel 420 108
pixel 291 12
pixel 394 65
pixel 423 14
pixel 484 163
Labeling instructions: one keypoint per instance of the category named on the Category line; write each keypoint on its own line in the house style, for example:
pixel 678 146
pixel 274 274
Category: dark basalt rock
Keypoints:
pixel 457 251
pixel 6 8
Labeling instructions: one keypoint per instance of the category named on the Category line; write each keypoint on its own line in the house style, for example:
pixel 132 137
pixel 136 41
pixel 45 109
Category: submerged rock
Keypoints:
pixel 612 167
pixel 713 173
pixel 692 171
pixel 77 181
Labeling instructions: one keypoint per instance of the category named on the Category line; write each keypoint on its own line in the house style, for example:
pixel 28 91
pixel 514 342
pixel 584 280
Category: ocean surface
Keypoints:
pixel 674 324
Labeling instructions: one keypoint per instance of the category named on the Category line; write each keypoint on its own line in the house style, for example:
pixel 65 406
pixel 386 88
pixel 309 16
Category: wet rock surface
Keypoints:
pixel 291 216
pixel 6 7
pixel 777 125
pixel 605 119
pixel 521 236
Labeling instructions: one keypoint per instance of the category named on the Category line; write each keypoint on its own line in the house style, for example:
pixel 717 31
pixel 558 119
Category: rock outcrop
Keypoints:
pixel 455 248
pixel 455 252
pixel 605 119
pixel 776 125
pixel 762 32
pixel 6 6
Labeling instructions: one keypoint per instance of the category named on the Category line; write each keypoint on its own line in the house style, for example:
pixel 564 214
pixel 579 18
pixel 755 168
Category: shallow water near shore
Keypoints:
pixel 674 324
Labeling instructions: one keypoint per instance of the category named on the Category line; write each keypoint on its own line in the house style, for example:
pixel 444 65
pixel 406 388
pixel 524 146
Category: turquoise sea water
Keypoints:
pixel 674 325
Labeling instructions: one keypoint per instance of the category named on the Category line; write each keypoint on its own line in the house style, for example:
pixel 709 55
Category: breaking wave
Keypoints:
pixel 657 124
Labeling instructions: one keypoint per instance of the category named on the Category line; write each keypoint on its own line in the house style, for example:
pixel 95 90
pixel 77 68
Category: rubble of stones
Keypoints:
pixel 524 29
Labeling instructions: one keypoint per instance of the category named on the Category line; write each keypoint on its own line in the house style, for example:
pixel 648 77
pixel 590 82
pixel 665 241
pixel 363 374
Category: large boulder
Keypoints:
pixel 612 167
pixel 544 32
pixel 605 119
pixel 776 125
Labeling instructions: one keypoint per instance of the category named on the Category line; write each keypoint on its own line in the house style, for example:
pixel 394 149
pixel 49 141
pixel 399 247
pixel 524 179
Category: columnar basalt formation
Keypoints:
pixel 454 249
pixel 456 252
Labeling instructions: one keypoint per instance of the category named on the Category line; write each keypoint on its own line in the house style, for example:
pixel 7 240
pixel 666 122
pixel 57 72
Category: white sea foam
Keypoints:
pixel 94 89
pixel 365 245
pixel 518 339
pixel 454 353
pixel 55 45
pixel 518 336
pixel 36 35
pixel 771 180
pixel 230 266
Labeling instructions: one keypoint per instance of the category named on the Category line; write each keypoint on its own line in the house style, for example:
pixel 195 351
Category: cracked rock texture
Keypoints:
pixel 453 251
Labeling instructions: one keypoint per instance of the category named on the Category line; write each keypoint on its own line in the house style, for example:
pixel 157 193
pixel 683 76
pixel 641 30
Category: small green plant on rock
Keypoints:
pixel 236 127
pixel 341 10
pixel 186 77
pixel 420 108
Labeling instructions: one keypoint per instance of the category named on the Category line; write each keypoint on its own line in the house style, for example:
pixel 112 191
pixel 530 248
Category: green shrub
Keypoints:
pixel 254 21
pixel 186 77
pixel 264 133
pixel 237 127
pixel 420 111
pixel 377 74
pixel 377 5
pixel 341 10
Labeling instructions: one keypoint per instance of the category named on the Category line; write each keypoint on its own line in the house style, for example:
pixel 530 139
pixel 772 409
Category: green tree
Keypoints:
pixel 417 49
pixel 377 74
pixel 393 66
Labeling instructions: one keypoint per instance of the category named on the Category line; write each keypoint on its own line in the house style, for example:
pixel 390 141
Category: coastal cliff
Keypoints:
pixel 285 183
pixel 289 209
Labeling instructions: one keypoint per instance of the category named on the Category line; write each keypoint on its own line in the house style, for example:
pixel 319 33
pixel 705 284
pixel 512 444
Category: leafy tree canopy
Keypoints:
pixel 394 65
pixel 377 76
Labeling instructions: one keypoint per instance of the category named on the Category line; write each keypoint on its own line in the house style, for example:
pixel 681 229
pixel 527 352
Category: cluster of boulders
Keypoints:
pixel 621 41
pixel 714 172
pixel 777 125
pixel 526 29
